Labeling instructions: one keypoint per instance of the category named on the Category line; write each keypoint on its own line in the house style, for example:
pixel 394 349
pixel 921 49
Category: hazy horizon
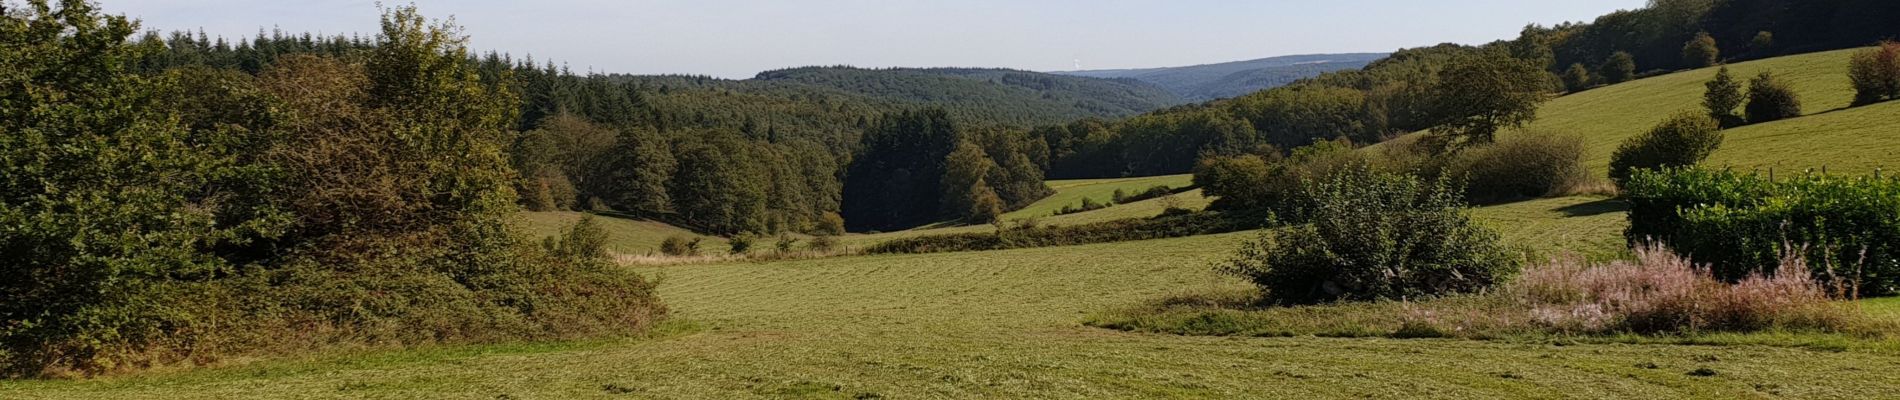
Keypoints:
pixel 739 38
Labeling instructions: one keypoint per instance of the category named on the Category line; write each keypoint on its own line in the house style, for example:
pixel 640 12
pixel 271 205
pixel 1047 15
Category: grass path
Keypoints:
pixel 1000 324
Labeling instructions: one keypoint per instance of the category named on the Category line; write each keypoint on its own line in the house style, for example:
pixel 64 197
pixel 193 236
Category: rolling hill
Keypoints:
pixel 1231 79
pixel 1829 135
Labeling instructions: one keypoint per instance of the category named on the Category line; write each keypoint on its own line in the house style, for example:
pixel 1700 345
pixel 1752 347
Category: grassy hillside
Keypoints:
pixel 1071 192
pixel 626 236
pixel 1001 324
pixel 1223 80
pixel 1855 140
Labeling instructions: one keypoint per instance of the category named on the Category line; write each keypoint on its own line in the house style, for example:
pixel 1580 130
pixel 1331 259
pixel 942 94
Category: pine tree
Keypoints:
pixel 1724 95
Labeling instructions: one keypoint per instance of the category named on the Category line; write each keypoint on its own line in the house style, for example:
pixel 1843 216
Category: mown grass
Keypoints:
pixel 1583 225
pixel 1003 324
pixel 1847 140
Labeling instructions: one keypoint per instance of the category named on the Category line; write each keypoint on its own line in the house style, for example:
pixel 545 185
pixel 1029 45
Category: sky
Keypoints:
pixel 739 38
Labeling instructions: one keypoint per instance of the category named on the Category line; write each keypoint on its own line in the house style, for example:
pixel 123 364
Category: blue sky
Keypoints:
pixel 738 38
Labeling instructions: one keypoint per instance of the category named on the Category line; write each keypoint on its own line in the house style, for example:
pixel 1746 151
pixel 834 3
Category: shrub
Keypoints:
pixel 1876 73
pixel 1520 166
pixel 1701 51
pixel 1849 228
pixel 1770 99
pixel 1088 204
pixel 1375 236
pixel 1577 78
pixel 823 243
pixel 1660 292
pixel 1619 68
pixel 1169 225
pixel 679 246
pixel 1763 42
pixel 741 243
pixel 786 243
pixel 1683 140
pixel 1723 96
pixel 831 224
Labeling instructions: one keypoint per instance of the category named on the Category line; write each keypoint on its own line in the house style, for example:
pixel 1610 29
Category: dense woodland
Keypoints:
pixel 764 155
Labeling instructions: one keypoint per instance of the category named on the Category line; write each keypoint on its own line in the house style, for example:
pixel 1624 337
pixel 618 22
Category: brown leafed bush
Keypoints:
pixel 1661 292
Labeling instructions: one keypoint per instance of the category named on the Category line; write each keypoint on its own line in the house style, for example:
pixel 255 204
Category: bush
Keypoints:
pixel 1770 99
pixel 1520 166
pixel 1375 236
pixel 1701 51
pixel 1660 292
pixel 1577 78
pixel 831 224
pixel 1876 74
pixel 1167 226
pixel 1683 140
pixel 1763 42
pixel 1849 228
pixel 741 243
pixel 823 243
pixel 786 243
pixel 1088 204
pixel 1619 68
pixel 679 246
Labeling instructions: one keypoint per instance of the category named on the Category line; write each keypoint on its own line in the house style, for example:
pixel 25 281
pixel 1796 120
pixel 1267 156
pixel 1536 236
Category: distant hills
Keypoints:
pixel 1218 81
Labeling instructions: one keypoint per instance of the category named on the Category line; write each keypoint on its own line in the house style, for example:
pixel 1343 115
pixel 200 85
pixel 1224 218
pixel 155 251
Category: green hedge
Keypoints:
pixel 1741 223
pixel 1165 226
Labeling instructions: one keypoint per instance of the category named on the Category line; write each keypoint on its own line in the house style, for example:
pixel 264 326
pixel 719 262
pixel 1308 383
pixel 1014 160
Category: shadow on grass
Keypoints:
pixel 1594 208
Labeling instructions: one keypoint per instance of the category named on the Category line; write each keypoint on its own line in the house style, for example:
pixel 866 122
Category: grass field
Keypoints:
pixel 628 236
pixel 1071 192
pixel 1009 324
pixel 1847 140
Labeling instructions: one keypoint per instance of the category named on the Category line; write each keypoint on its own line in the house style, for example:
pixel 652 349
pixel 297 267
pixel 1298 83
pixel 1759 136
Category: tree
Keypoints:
pixel 1770 99
pixel 1481 94
pixel 1763 42
pixel 1876 73
pixel 105 196
pixel 1619 68
pixel 1683 140
pixel 1701 51
pixel 718 187
pixel 1576 78
pixel 1723 96
pixel 895 181
pixel 966 193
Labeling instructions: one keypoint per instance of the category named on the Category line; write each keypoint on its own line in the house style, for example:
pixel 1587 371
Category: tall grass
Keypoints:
pixel 1662 292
